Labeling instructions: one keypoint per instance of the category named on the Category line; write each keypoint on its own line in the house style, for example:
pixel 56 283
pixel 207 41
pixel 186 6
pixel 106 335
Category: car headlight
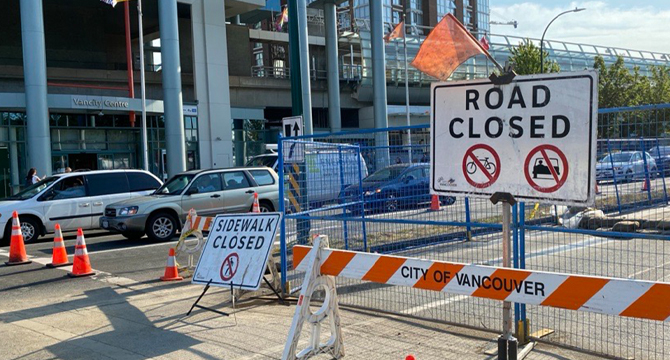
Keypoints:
pixel 131 210
pixel 372 192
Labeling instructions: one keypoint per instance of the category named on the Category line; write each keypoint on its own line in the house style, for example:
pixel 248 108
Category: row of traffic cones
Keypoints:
pixel 18 256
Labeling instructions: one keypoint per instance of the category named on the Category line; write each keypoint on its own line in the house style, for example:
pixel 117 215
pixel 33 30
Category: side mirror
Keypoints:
pixel 192 190
pixel 48 195
pixel 409 178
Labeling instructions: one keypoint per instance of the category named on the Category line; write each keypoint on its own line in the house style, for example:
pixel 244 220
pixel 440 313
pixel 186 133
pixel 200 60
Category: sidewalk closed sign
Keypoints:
pixel 534 138
pixel 237 250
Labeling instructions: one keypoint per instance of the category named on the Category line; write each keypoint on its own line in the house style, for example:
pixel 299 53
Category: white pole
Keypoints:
pixel 145 146
pixel 409 134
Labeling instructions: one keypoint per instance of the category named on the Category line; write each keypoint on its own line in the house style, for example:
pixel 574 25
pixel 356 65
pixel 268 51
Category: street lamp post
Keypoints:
pixel 545 31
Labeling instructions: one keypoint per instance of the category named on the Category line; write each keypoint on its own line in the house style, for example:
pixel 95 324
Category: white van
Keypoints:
pixel 73 200
pixel 326 174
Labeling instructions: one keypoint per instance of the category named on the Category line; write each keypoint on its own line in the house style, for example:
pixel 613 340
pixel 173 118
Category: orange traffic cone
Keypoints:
pixel 171 272
pixel 435 203
pixel 256 208
pixel 17 250
pixel 59 255
pixel 82 265
pixel 646 186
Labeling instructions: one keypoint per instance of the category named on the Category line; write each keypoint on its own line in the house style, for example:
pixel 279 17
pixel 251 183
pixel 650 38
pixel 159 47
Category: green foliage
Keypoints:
pixel 618 86
pixel 526 60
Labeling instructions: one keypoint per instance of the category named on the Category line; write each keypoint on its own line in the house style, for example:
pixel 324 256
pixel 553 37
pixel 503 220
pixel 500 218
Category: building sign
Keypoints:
pixel 534 138
pixel 294 150
pixel 190 110
pixel 100 103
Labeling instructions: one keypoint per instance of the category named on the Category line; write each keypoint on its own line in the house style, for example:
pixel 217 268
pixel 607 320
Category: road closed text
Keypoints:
pixel 534 100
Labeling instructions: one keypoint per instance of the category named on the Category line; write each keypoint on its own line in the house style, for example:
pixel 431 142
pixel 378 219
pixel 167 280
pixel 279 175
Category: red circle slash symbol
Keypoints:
pixel 229 266
pixel 546 168
pixel 486 162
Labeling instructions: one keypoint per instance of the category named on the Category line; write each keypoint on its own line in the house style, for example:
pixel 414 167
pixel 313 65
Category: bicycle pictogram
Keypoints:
pixel 490 166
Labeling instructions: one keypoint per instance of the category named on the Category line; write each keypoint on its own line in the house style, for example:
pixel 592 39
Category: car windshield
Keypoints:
pixel 175 185
pixel 619 157
pixel 268 161
pixel 386 174
pixel 34 189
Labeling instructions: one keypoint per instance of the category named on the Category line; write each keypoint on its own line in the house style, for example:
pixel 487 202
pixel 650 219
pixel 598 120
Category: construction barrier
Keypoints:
pixel 621 297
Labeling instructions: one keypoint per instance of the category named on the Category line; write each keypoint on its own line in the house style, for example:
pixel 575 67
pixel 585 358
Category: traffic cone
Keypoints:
pixel 256 208
pixel 17 250
pixel 59 256
pixel 410 357
pixel 646 186
pixel 82 265
pixel 171 271
pixel 435 203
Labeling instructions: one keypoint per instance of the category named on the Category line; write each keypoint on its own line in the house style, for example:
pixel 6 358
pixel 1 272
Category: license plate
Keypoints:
pixel 105 224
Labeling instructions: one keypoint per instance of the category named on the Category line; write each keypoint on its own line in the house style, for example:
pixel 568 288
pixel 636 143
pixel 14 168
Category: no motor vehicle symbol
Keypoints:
pixel 546 168
pixel 481 166
pixel 229 266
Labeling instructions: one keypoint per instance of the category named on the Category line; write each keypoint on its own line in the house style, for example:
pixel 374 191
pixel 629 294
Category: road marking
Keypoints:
pixel 131 248
pixel 648 270
pixel 433 304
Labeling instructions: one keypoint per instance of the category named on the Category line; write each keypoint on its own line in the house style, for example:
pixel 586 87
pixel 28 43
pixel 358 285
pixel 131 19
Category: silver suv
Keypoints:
pixel 210 192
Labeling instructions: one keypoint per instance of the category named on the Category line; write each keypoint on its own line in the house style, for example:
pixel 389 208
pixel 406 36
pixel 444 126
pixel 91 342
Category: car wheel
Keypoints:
pixel 265 207
pixel 629 176
pixel 29 229
pixel 161 227
pixel 133 235
pixel 653 173
pixel 391 203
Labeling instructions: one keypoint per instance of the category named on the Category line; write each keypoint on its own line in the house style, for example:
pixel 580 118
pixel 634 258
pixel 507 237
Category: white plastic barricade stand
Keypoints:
pixel 328 311
pixel 601 295
pixel 194 226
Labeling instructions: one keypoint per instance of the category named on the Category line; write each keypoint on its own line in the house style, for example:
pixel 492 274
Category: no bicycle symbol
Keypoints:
pixel 229 266
pixel 481 166
pixel 546 168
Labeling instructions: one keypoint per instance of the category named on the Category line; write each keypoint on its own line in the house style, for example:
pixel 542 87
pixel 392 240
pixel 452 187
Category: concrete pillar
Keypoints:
pixel 241 146
pixel 379 82
pixel 14 161
pixel 172 98
pixel 305 86
pixel 334 116
pixel 212 85
pixel 38 141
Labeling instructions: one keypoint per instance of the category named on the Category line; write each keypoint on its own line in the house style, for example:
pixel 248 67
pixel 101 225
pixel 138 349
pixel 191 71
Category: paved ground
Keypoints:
pixel 125 313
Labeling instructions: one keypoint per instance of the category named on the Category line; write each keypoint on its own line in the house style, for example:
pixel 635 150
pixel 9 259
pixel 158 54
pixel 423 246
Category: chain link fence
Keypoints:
pixel 369 191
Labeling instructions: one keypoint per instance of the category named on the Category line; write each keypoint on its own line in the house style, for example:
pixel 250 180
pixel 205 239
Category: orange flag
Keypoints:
pixel 445 48
pixel 397 32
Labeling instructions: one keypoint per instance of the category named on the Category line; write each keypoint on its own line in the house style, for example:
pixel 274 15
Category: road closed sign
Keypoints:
pixel 237 250
pixel 534 138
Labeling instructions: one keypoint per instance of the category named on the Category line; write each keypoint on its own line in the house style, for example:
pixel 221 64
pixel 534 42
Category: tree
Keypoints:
pixel 618 86
pixel 659 89
pixel 526 60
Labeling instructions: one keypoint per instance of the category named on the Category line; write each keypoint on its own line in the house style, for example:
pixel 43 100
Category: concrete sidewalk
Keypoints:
pixel 113 318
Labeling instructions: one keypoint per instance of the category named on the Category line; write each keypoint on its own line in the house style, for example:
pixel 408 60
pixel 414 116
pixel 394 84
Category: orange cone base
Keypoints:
pixel 8 263
pixel 80 275
pixel 52 265
pixel 174 278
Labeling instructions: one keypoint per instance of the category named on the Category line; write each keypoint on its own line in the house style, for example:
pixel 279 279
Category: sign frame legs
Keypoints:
pixel 195 304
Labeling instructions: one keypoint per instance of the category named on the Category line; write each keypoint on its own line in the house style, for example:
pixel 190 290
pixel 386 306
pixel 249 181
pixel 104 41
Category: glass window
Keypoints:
pixel 262 177
pixel 268 161
pixel 207 183
pixel 235 180
pixel 175 185
pixel 68 188
pixel 106 184
pixel 33 189
pixel 416 173
pixel 140 181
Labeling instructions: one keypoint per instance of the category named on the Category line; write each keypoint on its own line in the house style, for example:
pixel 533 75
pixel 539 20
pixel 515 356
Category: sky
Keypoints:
pixel 637 25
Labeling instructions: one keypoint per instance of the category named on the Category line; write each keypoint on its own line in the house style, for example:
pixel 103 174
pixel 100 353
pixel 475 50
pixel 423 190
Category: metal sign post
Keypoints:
pixel 507 343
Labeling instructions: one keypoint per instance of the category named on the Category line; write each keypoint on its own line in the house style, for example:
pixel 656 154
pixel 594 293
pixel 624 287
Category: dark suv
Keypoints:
pixel 393 188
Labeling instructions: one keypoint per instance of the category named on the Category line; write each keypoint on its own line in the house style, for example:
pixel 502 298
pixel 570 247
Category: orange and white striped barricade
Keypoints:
pixel 602 295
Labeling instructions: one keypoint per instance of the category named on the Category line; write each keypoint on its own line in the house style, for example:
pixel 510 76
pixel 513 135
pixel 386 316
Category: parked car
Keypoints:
pixel 328 171
pixel 625 166
pixel 661 155
pixel 393 188
pixel 210 192
pixel 73 200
